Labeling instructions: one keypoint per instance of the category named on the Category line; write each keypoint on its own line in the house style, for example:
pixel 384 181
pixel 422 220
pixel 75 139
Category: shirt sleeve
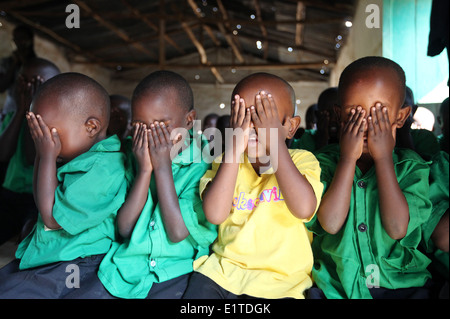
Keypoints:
pixel 209 175
pixel 439 196
pixel 203 232
pixel 413 181
pixel 309 167
pixel 89 193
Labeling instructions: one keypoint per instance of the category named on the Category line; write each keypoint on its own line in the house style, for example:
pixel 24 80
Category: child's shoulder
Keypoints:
pixel 407 155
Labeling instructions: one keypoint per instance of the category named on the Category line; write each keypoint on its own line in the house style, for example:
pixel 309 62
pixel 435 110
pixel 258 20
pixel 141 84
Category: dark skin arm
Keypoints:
pixel 130 211
pixel 48 146
pixel 292 183
pixel 393 205
pixel 440 234
pixel 218 196
pixel 160 145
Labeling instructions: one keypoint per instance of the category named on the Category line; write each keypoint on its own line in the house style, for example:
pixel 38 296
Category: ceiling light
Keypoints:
pixel 252 16
pixel 290 49
pixel 222 105
pixel 258 45
pixel 348 24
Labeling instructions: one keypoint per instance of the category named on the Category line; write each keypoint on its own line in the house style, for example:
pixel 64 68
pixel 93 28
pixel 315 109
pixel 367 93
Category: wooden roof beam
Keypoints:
pixel 120 33
pixel 201 50
pixel 56 37
pixel 262 27
pixel 228 37
pixel 206 27
pixel 144 19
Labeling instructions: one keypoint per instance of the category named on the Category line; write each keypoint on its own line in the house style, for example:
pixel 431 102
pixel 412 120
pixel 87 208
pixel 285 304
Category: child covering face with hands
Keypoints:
pixel 79 184
pixel 376 198
pixel 162 225
pixel 260 193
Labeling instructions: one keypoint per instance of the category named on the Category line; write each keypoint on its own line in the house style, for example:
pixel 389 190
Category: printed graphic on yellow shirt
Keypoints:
pixel 243 202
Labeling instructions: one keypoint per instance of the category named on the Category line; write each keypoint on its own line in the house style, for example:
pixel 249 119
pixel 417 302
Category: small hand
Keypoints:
pixel 352 134
pixel 46 141
pixel 380 139
pixel 266 119
pixel 25 91
pixel 141 147
pixel 240 119
pixel 160 144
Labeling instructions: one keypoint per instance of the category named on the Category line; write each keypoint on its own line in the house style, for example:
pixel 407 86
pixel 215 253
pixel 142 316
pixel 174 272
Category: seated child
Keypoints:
pixel 79 184
pixel 376 196
pixel 18 211
pixel 261 195
pixel 327 131
pixel 162 224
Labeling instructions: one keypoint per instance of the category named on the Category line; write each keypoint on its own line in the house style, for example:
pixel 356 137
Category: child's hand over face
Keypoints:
pixel 47 143
pixel 26 90
pixel 380 140
pixel 266 120
pixel 141 147
pixel 160 145
pixel 352 134
pixel 240 118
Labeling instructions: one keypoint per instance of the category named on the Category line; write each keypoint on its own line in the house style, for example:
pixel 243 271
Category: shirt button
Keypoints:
pixel 362 184
pixel 362 227
pixel 152 223
pixel 153 263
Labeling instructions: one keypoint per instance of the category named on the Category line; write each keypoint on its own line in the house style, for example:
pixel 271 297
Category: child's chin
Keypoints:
pixel 255 150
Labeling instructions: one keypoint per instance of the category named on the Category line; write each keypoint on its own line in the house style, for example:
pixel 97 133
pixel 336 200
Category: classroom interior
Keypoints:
pixel 214 43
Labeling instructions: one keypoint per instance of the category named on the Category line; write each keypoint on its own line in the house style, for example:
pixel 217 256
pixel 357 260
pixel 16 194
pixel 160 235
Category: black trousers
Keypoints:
pixel 75 279
pixel 202 287
pixel 16 210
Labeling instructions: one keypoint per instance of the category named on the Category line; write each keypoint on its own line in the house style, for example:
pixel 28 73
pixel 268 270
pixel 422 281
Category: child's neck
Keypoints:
pixel 364 163
pixel 260 166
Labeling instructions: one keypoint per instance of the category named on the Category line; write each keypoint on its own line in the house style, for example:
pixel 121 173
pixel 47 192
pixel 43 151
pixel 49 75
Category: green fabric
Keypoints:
pixel 19 175
pixel 131 267
pixel 306 142
pixel 425 143
pixel 345 261
pixel 439 196
pixel 92 187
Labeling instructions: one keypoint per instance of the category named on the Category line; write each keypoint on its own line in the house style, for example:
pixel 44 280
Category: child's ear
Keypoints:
pixel 294 123
pixel 191 116
pixel 402 116
pixel 93 126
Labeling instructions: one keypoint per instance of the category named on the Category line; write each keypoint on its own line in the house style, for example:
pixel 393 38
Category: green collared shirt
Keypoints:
pixel 19 175
pixel 362 254
pixel 131 267
pixel 92 187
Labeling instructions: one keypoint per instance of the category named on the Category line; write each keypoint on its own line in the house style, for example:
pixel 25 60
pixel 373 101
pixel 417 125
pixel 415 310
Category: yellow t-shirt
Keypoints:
pixel 262 250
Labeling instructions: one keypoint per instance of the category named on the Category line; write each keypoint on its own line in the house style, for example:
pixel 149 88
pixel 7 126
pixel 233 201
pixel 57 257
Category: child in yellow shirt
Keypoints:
pixel 261 194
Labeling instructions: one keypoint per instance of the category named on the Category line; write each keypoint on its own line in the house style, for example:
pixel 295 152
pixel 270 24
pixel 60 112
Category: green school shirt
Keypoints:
pixel 131 267
pixel 439 196
pixel 362 254
pixel 425 143
pixel 92 187
pixel 19 175
pixel 306 142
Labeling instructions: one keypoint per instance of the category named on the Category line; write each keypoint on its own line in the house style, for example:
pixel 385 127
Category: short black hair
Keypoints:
pixel 85 96
pixel 368 63
pixel 269 76
pixel 160 81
